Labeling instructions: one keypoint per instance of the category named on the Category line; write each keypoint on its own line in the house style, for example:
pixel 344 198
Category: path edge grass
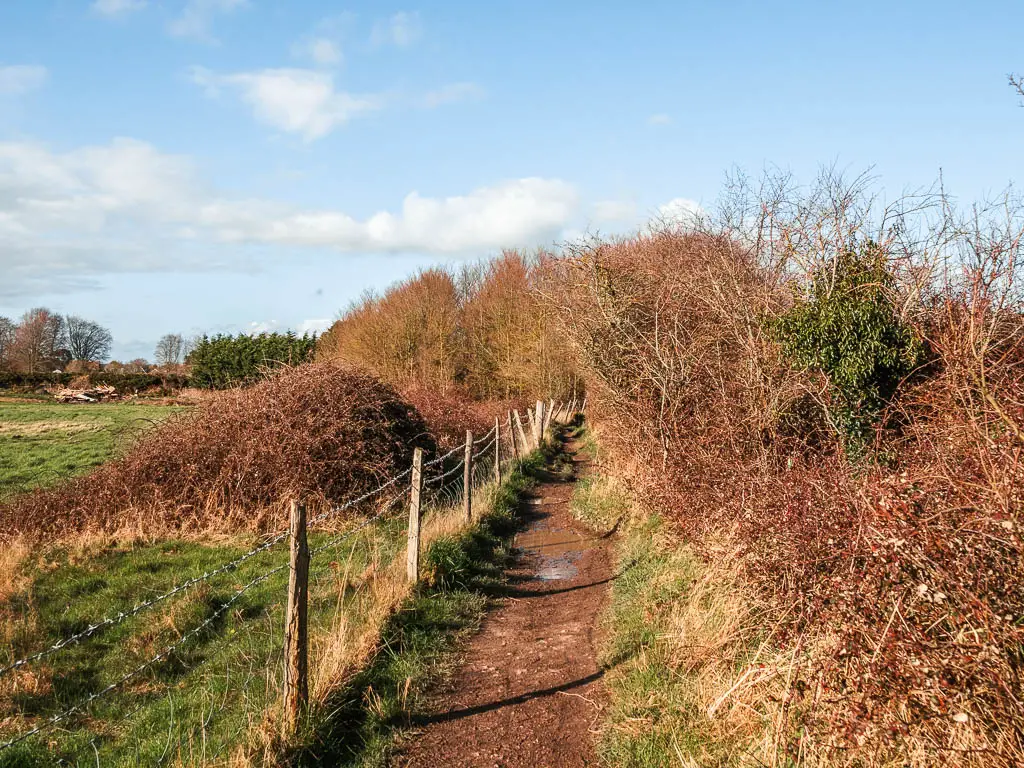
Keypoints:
pixel 366 720
pixel 665 702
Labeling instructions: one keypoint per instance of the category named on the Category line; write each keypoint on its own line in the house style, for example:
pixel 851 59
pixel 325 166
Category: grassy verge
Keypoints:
pixel 363 722
pixel 678 657
pixel 43 443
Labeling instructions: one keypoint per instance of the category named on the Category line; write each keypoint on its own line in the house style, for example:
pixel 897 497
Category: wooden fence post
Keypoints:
pixel 497 450
pixel 549 413
pixel 296 623
pixel 512 437
pixel 538 421
pixel 412 560
pixel 522 432
pixel 467 477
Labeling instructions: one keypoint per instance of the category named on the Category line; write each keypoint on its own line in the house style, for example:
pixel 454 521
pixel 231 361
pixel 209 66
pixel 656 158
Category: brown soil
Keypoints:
pixel 529 692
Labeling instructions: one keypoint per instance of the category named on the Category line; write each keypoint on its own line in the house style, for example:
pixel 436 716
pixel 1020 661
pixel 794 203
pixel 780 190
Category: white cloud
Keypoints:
pixel 311 325
pixel 515 212
pixel 66 218
pixel 113 8
pixel 452 94
pixel 606 211
pixel 21 78
pixel 659 119
pixel 196 19
pixel 301 101
pixel 401 29
pixel 680 210
pixel 320 50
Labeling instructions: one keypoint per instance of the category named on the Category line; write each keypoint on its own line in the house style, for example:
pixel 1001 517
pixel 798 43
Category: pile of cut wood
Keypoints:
pixel 98 394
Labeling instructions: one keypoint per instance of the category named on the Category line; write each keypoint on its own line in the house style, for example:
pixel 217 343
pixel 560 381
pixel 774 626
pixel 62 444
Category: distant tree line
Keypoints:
pixel 45 341
pixel 223 361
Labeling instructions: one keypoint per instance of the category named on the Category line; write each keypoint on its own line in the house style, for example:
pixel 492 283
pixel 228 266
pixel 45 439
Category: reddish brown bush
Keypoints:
pixel 893 585
pixel 450 414
pixel 317 432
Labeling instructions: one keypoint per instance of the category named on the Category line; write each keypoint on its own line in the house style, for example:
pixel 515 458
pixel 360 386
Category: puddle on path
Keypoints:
pixel 555 549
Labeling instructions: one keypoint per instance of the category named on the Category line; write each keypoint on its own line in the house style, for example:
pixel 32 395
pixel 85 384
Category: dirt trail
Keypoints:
pixel 528 693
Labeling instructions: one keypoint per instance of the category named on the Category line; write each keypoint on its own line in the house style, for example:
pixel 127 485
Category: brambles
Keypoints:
pixel 317 431
pixel 887 595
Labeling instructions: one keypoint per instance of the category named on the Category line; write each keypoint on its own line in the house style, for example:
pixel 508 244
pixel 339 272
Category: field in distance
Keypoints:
pixel 42 443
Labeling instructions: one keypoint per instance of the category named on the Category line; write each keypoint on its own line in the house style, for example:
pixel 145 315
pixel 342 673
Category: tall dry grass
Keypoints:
pixel 890 586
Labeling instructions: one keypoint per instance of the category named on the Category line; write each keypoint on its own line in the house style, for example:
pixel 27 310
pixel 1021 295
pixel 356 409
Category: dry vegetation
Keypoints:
pixel 476 334
pixel 317 431
pixel 880 549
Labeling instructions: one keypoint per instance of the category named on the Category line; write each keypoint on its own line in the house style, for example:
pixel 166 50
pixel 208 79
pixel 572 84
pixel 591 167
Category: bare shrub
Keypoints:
pixel 893 584
pixel 318 432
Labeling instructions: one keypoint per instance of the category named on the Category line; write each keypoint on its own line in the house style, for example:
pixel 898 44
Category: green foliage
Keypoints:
pixel 848 328
pixel 226 361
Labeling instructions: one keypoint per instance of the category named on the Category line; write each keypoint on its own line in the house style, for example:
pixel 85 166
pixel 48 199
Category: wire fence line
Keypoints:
pixel 122 616
pixel 61 716
pixel 491 438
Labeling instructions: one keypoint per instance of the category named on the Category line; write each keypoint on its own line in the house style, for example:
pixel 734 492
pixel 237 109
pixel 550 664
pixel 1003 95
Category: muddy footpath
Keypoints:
pixel 529 691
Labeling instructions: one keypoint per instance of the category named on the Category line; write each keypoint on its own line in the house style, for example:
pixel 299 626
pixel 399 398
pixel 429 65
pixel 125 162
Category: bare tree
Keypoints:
pixel 87 340
pixel 7 331
pixel 1017 83
pixel 170 350
pixel 39 341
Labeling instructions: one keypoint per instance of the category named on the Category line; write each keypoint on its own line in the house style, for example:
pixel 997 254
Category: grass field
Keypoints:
pixel 43 443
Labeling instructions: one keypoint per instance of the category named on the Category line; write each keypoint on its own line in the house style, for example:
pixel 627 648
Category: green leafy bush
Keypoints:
pixel 848 328
pixel 226 361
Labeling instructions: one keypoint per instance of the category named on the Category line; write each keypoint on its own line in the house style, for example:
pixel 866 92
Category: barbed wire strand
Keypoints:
pixel 439 459
pixel 484 437
pixel 124 615
pixel 60 717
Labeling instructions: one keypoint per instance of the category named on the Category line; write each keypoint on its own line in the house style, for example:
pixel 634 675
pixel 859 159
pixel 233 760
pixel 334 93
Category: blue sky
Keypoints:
pixel 222 165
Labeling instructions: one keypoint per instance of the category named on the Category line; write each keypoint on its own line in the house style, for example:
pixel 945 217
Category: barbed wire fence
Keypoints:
pixel 485 454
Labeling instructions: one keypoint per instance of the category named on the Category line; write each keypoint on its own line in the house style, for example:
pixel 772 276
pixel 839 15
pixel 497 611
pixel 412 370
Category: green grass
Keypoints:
pixel 657 703
pixel 43 443
pixel 650 710
pixel 198 702
pixel 364 723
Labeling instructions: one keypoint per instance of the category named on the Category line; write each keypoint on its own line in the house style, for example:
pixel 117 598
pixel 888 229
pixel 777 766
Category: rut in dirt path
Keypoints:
pixel 528 693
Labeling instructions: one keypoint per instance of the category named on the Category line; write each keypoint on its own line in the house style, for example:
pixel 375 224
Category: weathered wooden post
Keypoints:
pixel 467 477
pixel 497 450
pixel 538 421
pixel 549 414
pixel 296 624
pixel 512 437
pixel 522 432
pixel 412 559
